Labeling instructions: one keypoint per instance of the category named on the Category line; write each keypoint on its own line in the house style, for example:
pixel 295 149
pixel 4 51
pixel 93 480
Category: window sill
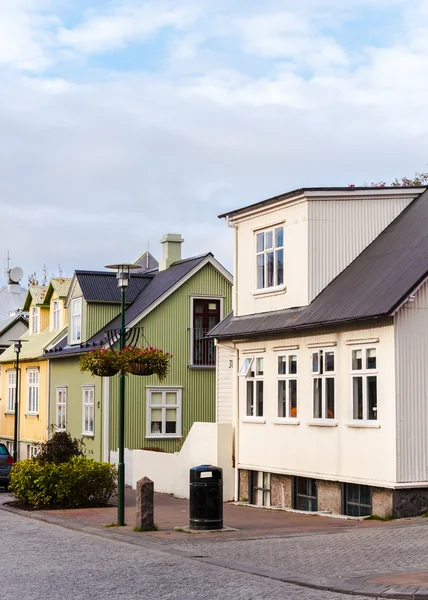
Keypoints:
pixel 253 420
pixel 88 435
pixel 9 413
pixel 278 289
pixel 202 367
pixel 364 424
pixel 31 415
pixel 323 423
pixel 163 437
pixel 280 421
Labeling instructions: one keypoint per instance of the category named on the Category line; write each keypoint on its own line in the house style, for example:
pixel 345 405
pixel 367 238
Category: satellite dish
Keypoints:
pixel 16 274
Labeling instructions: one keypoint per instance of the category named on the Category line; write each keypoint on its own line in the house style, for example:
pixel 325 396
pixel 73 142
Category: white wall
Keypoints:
pixel 225 357
pixel 339 230
pixel 412 389
pixel 207 443
pixel 294 218
pixel 341 452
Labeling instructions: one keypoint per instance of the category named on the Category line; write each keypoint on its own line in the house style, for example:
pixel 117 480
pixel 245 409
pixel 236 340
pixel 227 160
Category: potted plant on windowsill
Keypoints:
pixel 145 361
pixel 101 362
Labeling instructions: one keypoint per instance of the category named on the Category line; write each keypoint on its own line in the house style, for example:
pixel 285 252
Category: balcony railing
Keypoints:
pixel 202 351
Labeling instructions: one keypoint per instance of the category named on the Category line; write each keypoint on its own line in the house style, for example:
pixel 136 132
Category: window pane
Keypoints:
pixel 260 242
pixel 329 361
pixel 250 398
pixel 282 365
pixel 315 362
pixel 371 358
pixel 357 360
pixel 279 267
pixel 282 406
pixel 317 398
pixel 292 397
pixel 270 269
pixel 292 364
pixel 156 414
pixel 357 397
pixel 259 366
pixel 279 237
pixel 156 398
pixel 260 271
pixel 246 363
pixel 259 393
pixel 329 392
pixel 171 398
pixel 269 239
pixel 372 398
pixel 171 420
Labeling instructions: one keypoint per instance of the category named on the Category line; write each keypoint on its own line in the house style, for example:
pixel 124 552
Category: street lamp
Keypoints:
pixel 17 348
pixel 123 272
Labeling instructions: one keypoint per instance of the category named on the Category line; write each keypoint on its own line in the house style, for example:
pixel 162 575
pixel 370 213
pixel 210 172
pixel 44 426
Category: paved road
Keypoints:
pixel 41 561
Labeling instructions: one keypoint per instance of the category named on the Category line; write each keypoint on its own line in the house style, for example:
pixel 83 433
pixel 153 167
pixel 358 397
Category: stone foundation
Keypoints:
pixel 382 504
pixel 329 496
pixel 244 487
pixel 410 503
pixel 280 491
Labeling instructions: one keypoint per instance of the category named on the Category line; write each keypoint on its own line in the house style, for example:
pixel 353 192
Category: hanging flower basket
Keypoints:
pixel 145 361
pixel 100 362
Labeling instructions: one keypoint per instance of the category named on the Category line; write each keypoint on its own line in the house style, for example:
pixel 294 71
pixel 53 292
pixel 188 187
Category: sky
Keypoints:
pixel 122 121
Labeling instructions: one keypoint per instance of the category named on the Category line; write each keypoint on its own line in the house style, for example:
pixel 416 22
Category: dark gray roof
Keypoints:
pixel 373 285
pixel 160 282
pixel 101 286
pixel 313 189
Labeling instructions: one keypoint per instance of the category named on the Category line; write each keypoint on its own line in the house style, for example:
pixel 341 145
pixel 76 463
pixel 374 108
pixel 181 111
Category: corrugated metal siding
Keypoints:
pixel 167 327
pixel 339 231
pixel 411 340
pixel 225 382
pixel 97 316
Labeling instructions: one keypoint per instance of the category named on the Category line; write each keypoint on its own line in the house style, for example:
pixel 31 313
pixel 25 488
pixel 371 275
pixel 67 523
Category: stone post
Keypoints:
pixel 145 503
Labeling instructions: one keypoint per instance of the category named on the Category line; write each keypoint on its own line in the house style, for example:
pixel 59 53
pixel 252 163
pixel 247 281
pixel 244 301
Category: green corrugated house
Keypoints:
pixel 171 306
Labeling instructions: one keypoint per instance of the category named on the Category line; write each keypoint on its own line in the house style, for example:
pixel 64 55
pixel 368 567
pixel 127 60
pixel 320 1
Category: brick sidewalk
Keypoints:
pixel 171 512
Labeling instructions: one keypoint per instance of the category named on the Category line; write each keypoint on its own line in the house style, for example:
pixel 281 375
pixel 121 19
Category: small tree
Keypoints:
pixel 419 179
pixel 60 448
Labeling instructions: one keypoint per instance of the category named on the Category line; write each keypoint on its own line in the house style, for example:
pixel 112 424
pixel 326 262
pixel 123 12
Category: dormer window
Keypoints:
pixel 56 315
pixel 76 321
pixel 270 258
pixel 35 319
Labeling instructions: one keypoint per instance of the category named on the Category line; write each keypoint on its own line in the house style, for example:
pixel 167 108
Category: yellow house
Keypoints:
pixel 47 324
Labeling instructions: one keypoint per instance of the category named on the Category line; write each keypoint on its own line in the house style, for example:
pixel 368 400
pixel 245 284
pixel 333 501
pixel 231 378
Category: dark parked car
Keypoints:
pixel 6 462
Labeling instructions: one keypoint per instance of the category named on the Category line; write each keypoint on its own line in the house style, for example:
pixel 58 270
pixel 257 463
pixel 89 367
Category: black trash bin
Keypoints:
pixel 206 497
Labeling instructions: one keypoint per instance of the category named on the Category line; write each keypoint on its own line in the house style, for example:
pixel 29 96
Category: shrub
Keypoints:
pixel 78 483
pixel 60 448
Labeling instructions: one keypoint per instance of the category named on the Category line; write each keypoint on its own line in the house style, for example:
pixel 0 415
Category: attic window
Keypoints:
pixel 35 319
pixel 270 258
pixel 76 320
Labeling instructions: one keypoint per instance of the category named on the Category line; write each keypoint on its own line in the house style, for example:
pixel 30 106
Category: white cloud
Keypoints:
pixel 113 29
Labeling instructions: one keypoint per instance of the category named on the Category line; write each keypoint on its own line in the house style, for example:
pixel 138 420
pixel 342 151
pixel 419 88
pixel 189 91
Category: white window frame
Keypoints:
pixel 164 406
pixel 9 446
pixel 323 375
pixel 32 450
pixel 61 408
pixel 35 319
pixel 10 391
pixel 287 377
pixel 76 320
pixel 275 249
pixel 56 315
pixel 88 407
pixel 364 373
pixel 33 391
pixel 252 411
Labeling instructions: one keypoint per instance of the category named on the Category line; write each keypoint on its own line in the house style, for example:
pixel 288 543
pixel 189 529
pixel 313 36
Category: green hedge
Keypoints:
pixel 79 483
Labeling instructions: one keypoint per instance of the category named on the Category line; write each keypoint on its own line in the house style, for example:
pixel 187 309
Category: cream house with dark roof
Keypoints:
pixel 327 342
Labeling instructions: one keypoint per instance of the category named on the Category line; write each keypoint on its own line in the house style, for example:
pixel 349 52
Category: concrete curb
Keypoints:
pixel 356 584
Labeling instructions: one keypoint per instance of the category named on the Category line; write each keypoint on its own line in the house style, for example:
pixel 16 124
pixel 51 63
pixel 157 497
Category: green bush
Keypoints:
pixel 78 483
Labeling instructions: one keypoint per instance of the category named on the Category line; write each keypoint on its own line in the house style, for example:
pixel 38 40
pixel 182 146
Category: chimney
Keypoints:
pixel 171 250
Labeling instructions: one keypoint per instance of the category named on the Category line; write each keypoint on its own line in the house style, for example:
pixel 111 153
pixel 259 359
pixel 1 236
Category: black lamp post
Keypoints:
pixel 123 272
pixel 17 348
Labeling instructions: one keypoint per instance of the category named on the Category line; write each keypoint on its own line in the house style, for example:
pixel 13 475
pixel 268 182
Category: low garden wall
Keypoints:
pixel 206 444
